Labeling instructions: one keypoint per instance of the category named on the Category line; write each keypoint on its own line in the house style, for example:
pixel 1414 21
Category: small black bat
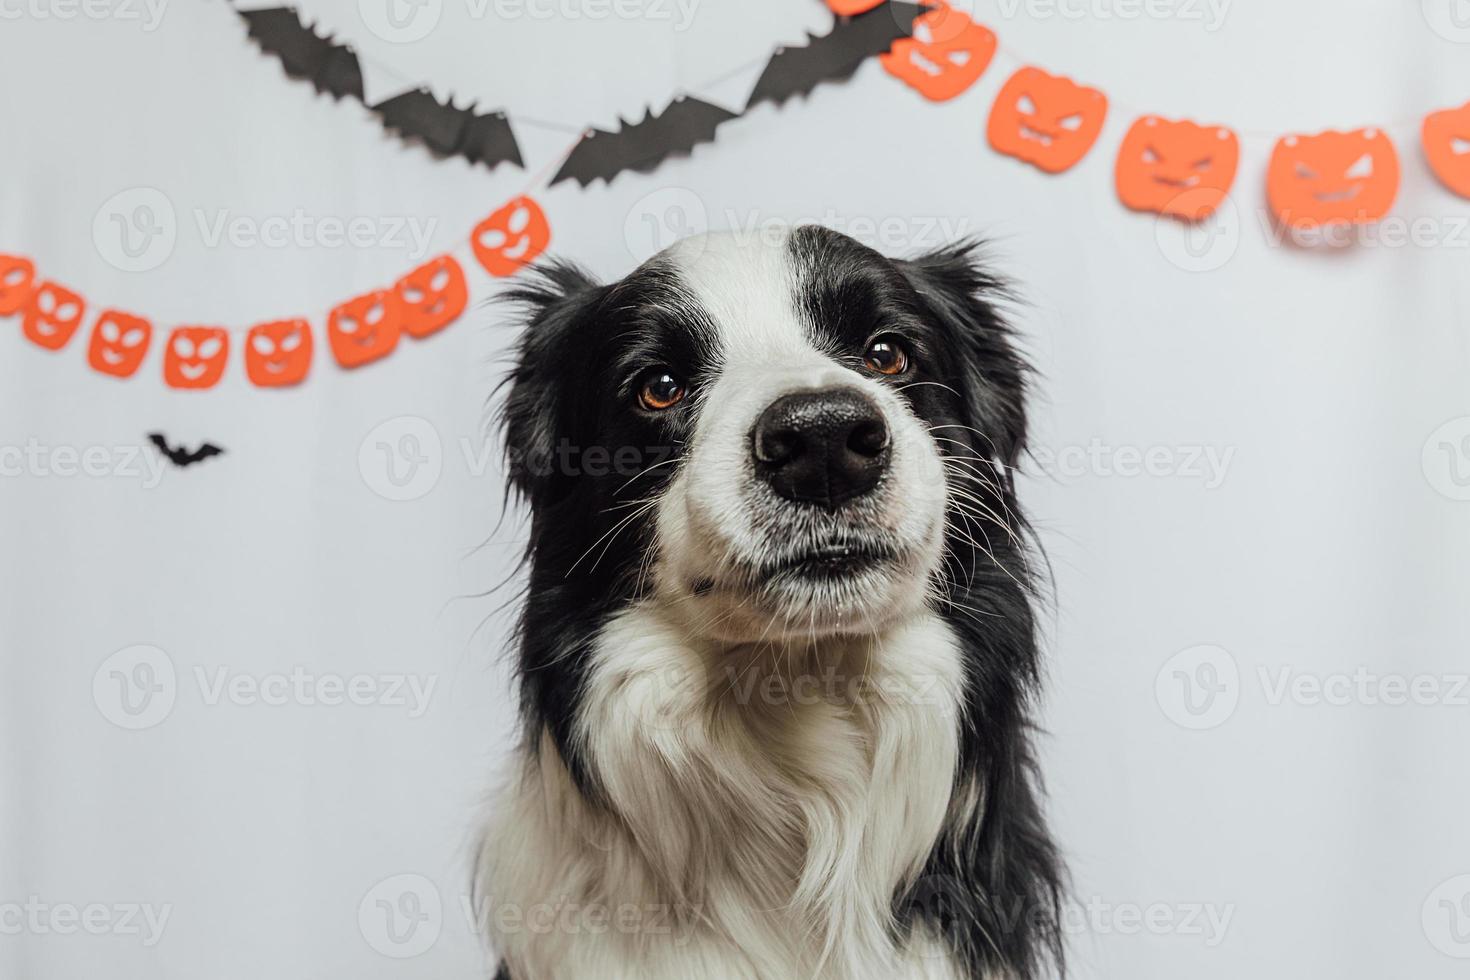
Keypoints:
pixel 642 146
pixel 330 66
pixel 449 131
pixel 182 457
pixel 835 55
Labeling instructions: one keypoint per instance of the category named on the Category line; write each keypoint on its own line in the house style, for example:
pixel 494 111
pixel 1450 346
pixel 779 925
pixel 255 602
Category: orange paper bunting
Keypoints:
pixel 1332 178
pixel 52 315
pixel 1447 146
pixel 365 328
pixel 432 296
pixel 195 357
pixel 1046 120
pixel 17 275
pixel 511 237
pixel 278 354
pixel 1180 169
pixel 119 343
pixel 946 55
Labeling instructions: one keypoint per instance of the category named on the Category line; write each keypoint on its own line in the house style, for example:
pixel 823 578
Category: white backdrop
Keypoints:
pixel 1300 526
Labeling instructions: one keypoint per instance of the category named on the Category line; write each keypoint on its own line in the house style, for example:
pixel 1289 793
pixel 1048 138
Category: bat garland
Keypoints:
pixel 329 66
pixel 333 68
pixel 833 56
pixel 488 138
pixel 642 146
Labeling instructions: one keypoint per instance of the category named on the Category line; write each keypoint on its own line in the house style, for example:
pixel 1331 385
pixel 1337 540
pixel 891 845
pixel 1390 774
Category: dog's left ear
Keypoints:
pixel 558 301
pixel 959 293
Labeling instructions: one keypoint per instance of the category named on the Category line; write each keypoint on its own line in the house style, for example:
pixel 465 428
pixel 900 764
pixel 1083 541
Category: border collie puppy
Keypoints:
pixel 777 654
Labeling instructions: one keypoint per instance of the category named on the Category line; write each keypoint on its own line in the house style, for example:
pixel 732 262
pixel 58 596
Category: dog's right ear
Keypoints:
pixel 559 301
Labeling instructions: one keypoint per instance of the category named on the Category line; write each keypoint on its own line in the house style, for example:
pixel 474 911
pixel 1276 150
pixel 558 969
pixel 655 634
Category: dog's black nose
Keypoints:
pixel 821 447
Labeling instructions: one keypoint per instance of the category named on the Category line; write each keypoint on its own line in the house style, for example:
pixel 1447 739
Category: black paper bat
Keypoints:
pixel 334 68
pixel 449 131
pixel 835 55
pixel 681 127
pixel 331 67
pixel 182 457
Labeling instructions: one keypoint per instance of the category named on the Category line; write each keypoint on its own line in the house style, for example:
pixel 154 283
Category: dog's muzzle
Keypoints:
pixel 823 447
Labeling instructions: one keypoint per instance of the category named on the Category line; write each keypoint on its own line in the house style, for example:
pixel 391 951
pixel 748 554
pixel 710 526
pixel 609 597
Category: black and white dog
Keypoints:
pixel 777 656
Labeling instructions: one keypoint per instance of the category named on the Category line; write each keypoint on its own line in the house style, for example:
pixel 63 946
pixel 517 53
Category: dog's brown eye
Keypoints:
pixel 886 355
pixel 660 390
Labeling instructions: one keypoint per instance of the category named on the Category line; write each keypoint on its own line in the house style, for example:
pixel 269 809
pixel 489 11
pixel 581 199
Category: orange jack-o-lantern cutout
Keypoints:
pixel 17 276
pixel 1333 178
pixel 1447 145
pixel 432 296
pixel 119 342
pixel 1176 168
pixel 511 237
pixel 52 315
pixel 849 8
pixel 1046 120
pixel 946 55
pixel 365 328
pixel 195 357
pixel 278 354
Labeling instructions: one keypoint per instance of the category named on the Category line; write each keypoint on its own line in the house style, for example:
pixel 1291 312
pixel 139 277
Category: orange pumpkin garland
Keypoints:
pixel 1332 178
pixel 1180 169
pixel 1446 139
pixel 1046 120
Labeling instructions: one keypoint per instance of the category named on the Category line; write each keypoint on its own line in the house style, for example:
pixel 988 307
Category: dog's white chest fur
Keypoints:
pixel 762 808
